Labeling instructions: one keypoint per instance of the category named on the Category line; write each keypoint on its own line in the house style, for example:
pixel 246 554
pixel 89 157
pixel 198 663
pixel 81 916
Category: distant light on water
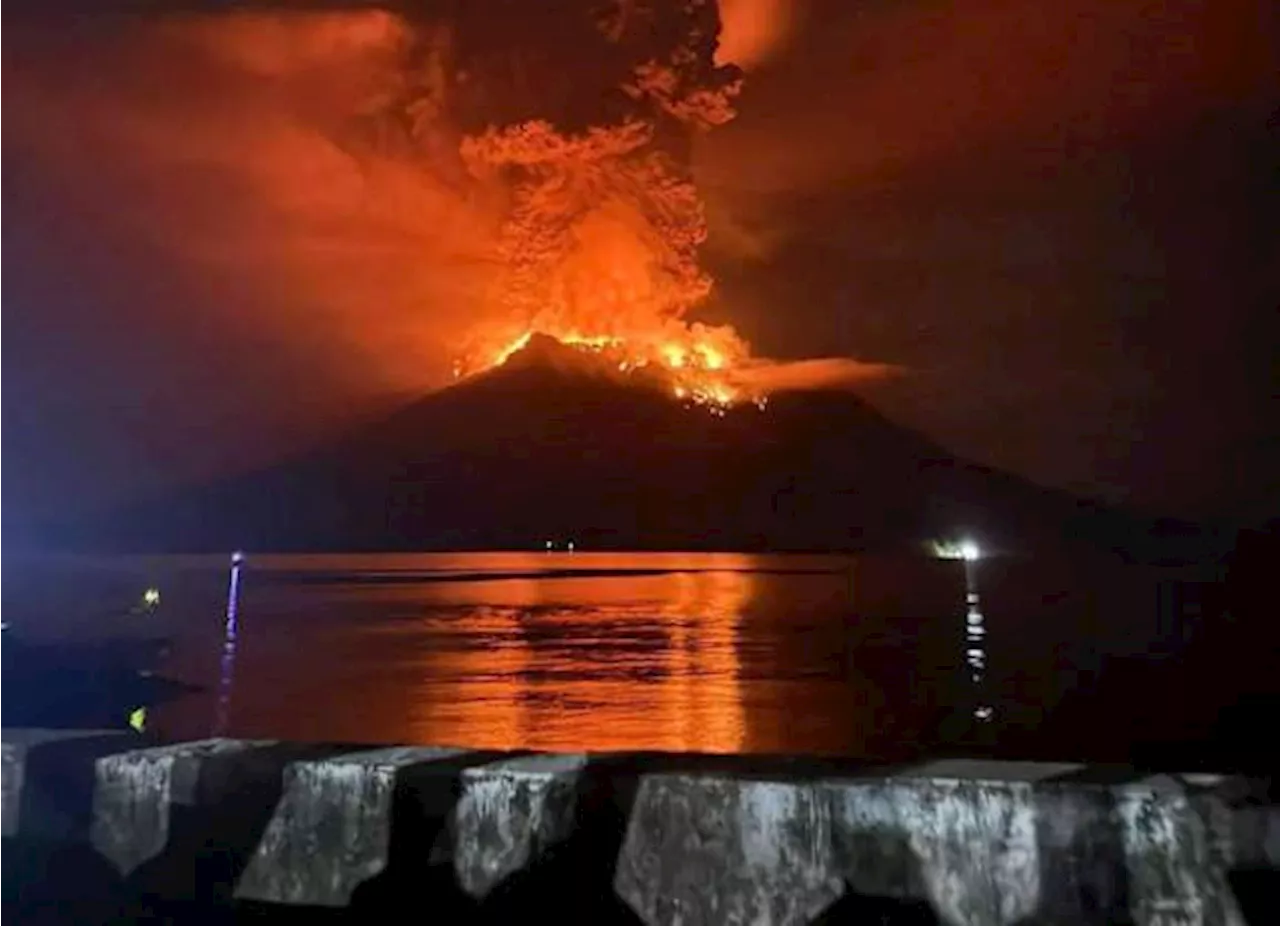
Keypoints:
pixel 230 634
pixel 967 549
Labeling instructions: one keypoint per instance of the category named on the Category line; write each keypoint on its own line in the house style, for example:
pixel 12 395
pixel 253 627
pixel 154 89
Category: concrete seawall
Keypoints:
pixel 101 827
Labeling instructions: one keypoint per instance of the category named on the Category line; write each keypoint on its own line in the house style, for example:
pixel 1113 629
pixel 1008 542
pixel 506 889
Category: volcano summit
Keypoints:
pixel 556 443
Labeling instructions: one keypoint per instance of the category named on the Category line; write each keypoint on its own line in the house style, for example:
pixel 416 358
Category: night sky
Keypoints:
pixel 1059 218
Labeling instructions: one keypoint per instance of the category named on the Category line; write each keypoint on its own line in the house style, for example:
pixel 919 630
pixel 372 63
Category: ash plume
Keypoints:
pixel 241 154
pixel 358 193
pixel 825 373
pixel 603 222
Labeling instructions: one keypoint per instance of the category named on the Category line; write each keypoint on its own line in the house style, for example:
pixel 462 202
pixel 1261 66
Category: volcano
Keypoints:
pixel 555 444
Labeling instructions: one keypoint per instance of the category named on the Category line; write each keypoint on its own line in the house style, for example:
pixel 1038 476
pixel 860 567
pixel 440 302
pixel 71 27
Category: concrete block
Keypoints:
pixel 331 830
pixel 968 847
pixel 1175 857
pixel 136 792
pixel 703 850
pixel 996 843
pixel 47 782
pixel 985 843
pixel 1255 836
pixel 1048 844
pixel 509 813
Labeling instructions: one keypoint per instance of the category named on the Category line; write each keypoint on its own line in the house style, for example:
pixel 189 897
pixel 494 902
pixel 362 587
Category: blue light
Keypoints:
pixel 230 632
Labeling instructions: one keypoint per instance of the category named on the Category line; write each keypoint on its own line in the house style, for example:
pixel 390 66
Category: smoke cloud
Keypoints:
pixel 246 148
pixel 1052 213
pixel 377 189
pixel 825 373
pixel 755 31
pixel 869 97
pixel 258 224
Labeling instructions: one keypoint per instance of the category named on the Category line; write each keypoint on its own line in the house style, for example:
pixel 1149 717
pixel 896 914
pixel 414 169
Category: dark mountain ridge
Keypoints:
pixel 555 444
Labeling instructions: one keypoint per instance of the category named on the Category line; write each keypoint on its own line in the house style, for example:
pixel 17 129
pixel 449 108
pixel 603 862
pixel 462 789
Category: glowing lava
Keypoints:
pixel 696 362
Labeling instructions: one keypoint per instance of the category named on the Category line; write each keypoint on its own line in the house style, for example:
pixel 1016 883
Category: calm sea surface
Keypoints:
pixel 709 652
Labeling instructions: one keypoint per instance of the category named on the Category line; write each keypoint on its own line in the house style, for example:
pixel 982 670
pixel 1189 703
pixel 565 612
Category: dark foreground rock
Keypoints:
pixel 228 829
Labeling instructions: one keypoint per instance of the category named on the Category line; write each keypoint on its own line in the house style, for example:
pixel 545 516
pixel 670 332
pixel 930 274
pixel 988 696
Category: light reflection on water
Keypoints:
pixel 708 652
pixel 629 659
pixel 861 656
pixel 550 651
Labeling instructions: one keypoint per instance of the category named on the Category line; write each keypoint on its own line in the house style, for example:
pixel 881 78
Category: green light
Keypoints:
pixel 138 719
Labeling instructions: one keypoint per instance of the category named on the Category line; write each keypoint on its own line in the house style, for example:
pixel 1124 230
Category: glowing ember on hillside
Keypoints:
pixel 696 362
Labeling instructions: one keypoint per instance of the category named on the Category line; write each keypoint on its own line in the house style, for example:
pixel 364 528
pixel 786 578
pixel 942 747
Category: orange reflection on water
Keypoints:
pixel 596 662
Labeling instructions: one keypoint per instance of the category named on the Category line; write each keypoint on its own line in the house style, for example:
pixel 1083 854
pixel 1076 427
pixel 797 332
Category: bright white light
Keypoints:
pixel 949 549
pixel 151 597
pixel 549 546
pixel 570 546
pixel 237 557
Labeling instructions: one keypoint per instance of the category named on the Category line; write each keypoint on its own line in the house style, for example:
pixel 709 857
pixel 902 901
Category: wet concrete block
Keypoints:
pixel 332 829
pixel 136 793
pixel 982 843
pixel 1255 836
pixel 1177 852
pixel 509 813
pixel 1243 816
pixel 998 843
pixel 703 850
pixel 968 847
pixel 1047 844
pixel 47 782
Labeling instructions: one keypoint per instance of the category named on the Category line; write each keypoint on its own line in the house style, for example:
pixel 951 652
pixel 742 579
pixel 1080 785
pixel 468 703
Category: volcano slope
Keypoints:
pixel 555 444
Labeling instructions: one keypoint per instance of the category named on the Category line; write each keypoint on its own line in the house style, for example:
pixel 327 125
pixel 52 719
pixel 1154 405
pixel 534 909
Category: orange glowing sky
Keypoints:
pixel 1055 218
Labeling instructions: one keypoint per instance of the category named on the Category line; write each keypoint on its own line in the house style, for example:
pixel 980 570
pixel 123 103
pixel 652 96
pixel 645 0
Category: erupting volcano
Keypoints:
pixel 697 364
pixel 599 243
pixel 578 407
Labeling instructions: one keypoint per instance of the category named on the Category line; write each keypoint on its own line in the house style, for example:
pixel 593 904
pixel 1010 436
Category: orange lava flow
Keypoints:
pixel 696 362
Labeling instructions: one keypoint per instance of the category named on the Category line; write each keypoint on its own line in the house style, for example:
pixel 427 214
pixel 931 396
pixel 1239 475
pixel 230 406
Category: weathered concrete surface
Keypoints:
pixel 46 804
pixel 715 850
pixel 966 844
pixel 509 813
pixel 1255 833
pixel 983 843
pixel 1175 856
pixel 738 841
pixel 331 830
pixel 135 793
